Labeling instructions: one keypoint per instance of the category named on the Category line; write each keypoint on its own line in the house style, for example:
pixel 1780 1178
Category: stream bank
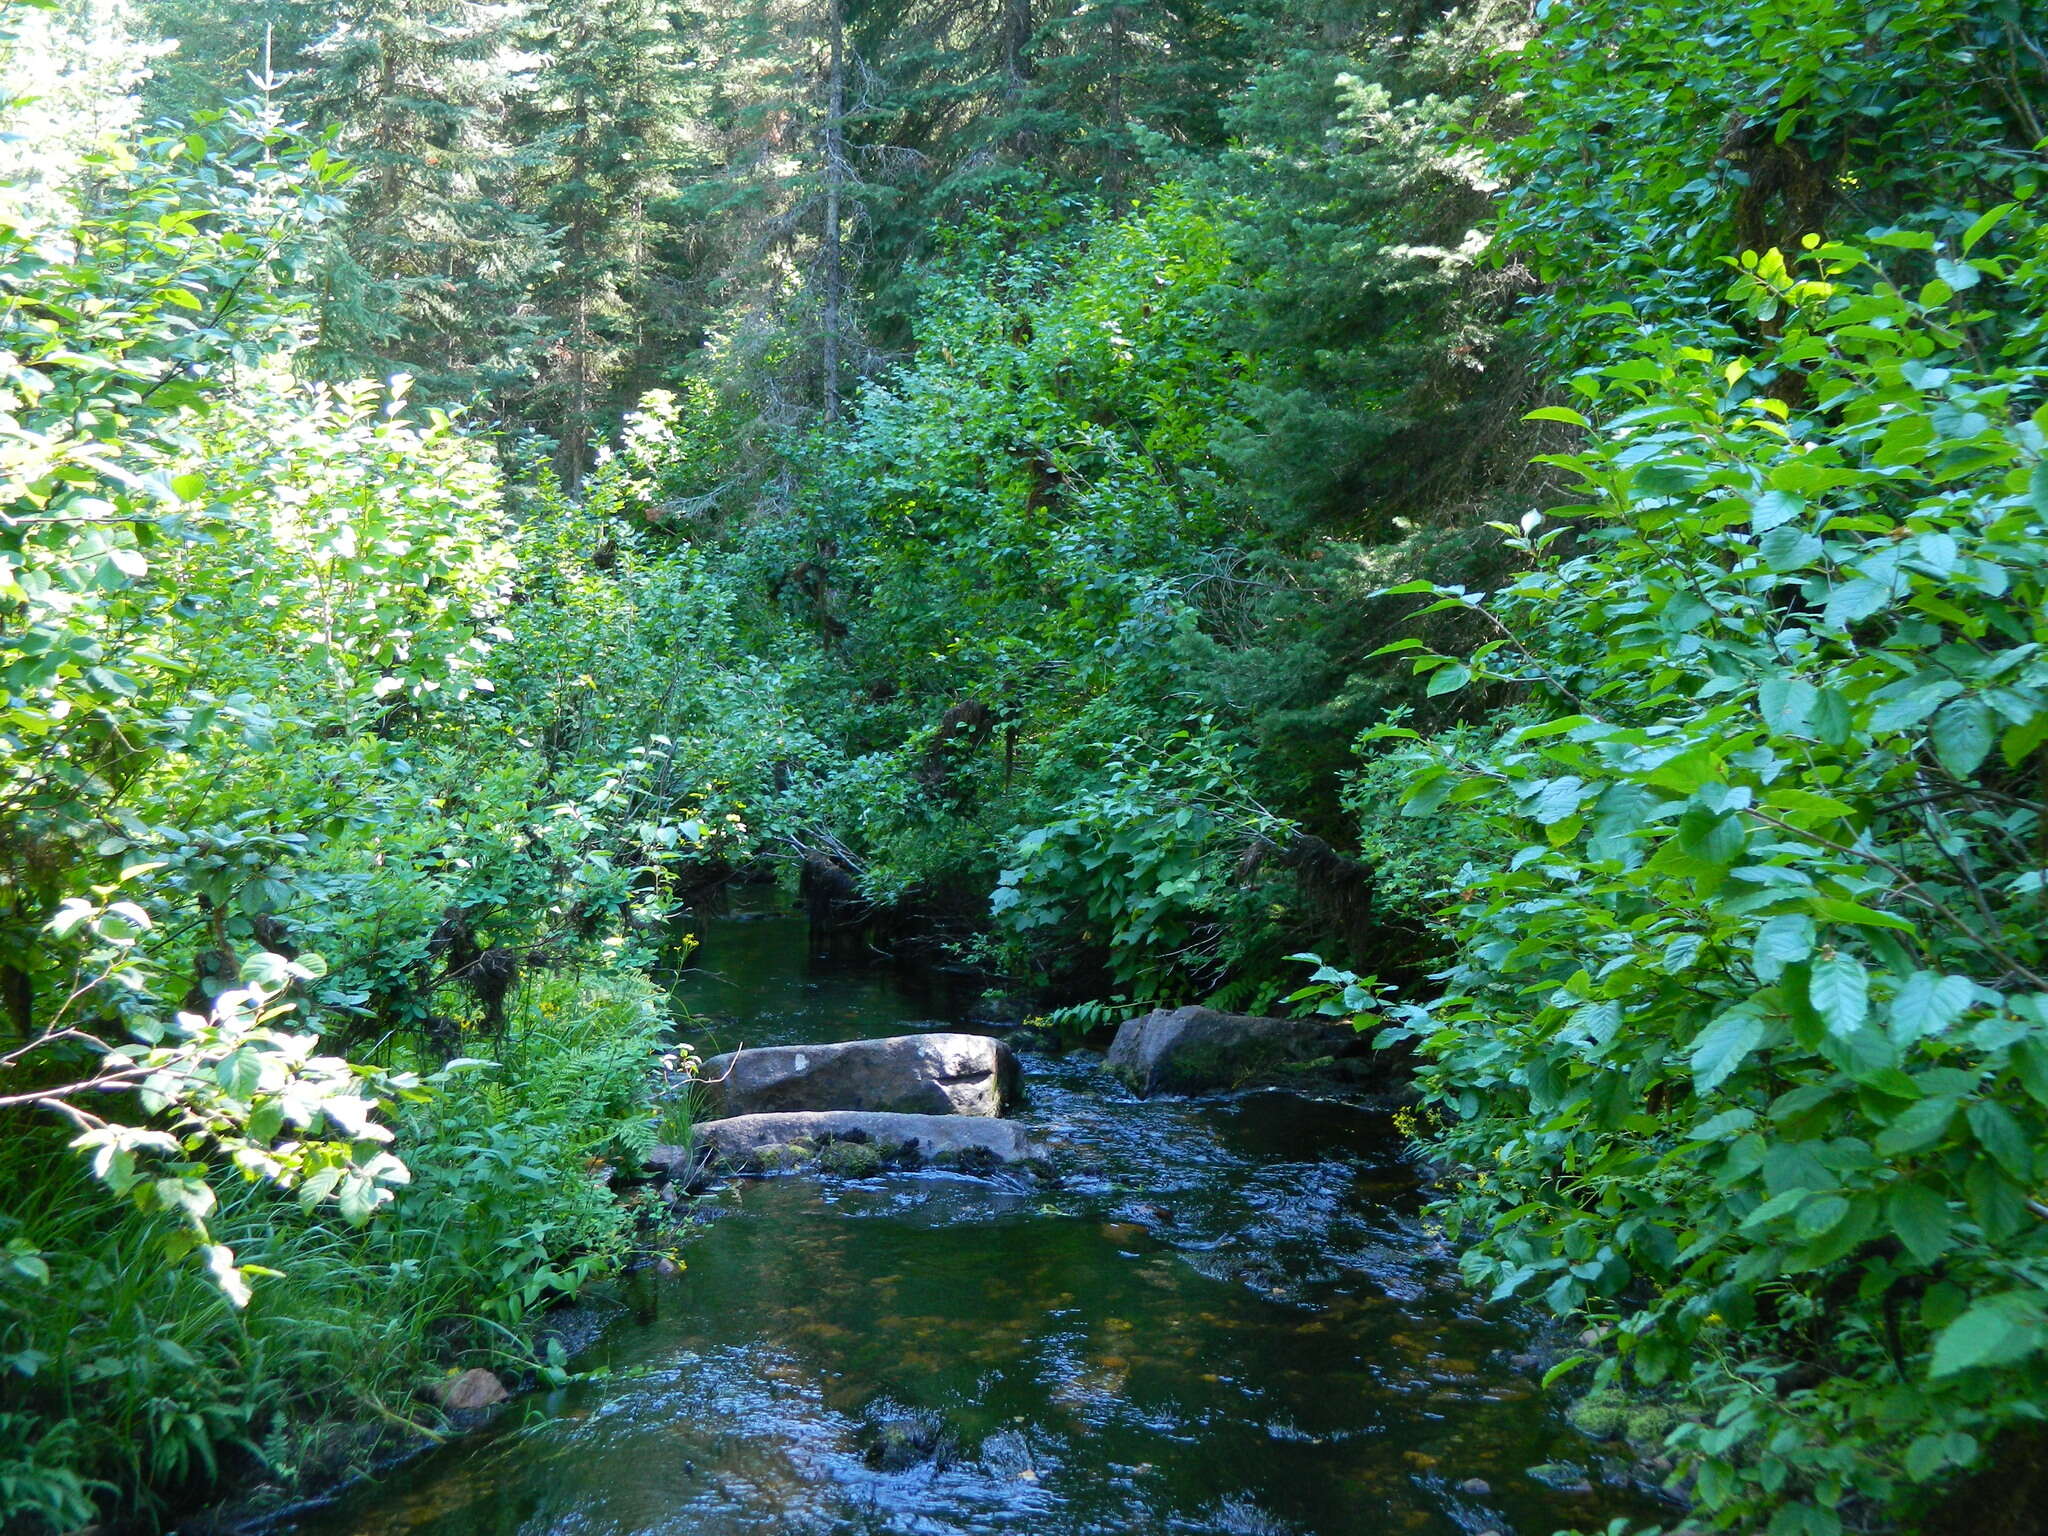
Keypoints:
pixel 1228 1316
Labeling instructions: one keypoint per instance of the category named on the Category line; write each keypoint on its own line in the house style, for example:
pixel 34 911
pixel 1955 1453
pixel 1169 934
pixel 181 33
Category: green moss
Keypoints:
pixel 1312 1064
pixel 849 1159
pixel 1617 1416
pixel 776 1157
pixel 1603 1415
pixel 1649 1424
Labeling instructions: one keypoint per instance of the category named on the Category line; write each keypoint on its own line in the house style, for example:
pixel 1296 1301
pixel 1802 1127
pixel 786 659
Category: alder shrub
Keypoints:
pixel 1743 1056
pixel 124 314
pixel 1654 138
pixel 310 797
pixel 1143 861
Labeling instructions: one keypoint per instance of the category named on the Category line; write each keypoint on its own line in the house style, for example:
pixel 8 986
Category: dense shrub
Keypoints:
pixel 1145 864
pixel 1744 1054
pixel 1658 139
pixel 145 1383
pixel 306 751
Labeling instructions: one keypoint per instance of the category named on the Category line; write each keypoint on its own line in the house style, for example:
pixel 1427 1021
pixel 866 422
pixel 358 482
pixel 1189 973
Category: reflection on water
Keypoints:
pixel 1227 1319
pixel 756 981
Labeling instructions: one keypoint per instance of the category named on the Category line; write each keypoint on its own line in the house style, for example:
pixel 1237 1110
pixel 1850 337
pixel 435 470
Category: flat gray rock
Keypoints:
pixel 894 1138
pixel 930 1074
pixel 1198 1050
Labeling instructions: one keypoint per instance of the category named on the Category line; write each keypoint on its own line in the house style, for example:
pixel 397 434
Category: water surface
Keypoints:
pixel 1228 1317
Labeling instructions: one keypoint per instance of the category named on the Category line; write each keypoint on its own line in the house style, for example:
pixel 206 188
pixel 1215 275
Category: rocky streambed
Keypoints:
pixel 1174 1315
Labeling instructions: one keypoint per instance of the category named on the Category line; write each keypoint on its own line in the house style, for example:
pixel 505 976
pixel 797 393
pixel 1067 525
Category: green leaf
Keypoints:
pixel 1831 717
pixel 1428 791
pixel 1839 990
pixel 1789 548
pixel 1984 224
pixel 1558 799
pixel 1834 910
pixel 1711 838
pixel 1918 1127
pixel 1999 1133
pixel 1928 1003
pixel 1962 735
pixel 1959 275
pixel 1896 710
pixel 1829 1234
pixel 1790 797
pixel 1557 413
pixel 1723 1046
pixel 1786 703
pixel 2000 1330
pixel 1725 1126
pixel 1854 601
pixel 2030 1063
pixel 1564 1368
pixel 1820 1216
pixel 1448 680
pixel 1779 942
pixel 1996 1203
pixel 2022 739
pixel 1926 1456
pixel 1921 1219
pixel 1773 509
pixel 1783 1203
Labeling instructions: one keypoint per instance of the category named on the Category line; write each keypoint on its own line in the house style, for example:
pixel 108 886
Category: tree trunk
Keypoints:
pixel 1016 47
pixel 1114 172
pixel 575 445
pixel 833 271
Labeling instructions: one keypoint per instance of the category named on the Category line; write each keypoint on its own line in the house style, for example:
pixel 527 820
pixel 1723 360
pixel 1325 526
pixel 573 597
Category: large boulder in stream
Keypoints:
pixel 1198 1050
pixel 789 1141
pixel 937 1074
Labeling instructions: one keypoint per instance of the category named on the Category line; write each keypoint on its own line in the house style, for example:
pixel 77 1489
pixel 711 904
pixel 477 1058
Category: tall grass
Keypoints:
pixel 678 1113
pixel 128 1385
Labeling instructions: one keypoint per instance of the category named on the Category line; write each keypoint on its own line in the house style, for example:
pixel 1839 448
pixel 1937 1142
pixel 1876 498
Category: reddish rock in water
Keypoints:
pixel 476 1388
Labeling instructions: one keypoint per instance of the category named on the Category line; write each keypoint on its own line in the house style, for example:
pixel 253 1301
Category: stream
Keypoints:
pixel 1227 1317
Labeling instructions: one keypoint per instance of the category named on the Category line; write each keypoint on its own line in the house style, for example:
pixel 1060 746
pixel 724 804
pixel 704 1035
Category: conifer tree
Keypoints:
pixel 439 255
pixel 1110 69
pixel 603 133
pixel 205 53
pixel 789 193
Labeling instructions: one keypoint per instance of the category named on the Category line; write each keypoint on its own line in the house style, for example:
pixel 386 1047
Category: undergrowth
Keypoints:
pixel 124 1372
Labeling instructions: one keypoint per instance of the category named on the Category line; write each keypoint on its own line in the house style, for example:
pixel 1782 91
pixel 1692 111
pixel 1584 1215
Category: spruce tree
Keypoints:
pixel 602 134
pixel 438 255
pixel 1110 70
pixel 790 199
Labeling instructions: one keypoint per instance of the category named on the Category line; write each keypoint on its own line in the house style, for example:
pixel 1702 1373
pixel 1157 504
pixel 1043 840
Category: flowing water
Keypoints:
pixel 1226 1317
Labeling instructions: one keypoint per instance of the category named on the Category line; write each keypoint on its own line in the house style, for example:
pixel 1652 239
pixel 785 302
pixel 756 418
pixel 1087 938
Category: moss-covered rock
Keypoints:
pixel 896 1439
pixel 777 1157
pixel 1648 1424
pixel 1603 1415
pixel 1198 1050
pixel 849 1159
